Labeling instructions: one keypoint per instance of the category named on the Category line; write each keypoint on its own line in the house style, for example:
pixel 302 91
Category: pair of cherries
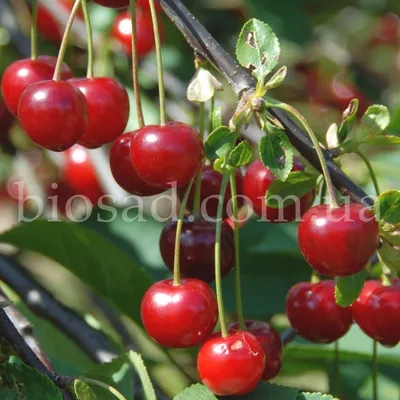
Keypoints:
pixel 58 114
pixel 185 315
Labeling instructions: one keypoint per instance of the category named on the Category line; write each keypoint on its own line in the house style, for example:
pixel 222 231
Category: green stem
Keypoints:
pixel 375 370
pixel 34 44
pixel 112 390
pixel 89 34
pixel 336 389
pixel 177 251
pixel 157 39
pixel 292 111
pixel 212 107
pixel 64 42
pixel 323 193
pixel 238 286
pixel 218 280
pixel 315 277
pixel 370 170
pixel 135 67
pixel 197 192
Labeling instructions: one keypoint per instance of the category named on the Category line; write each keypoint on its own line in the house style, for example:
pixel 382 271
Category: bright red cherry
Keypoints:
pixel 108 110
pixel 210 186
pixel 123 171
pixel 377 312
pixel 338 241
pixel 167 155
pixel 113 3
pixel 314 314
pixel 232 365
pixel 197 248
pixel 181 315
pixel 256 182
pixel 22 73
pixel 80 175
pixel 53 114
pixel 271 343
pixel 122 32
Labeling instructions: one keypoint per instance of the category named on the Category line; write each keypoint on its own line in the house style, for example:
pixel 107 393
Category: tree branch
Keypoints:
pixel 240 80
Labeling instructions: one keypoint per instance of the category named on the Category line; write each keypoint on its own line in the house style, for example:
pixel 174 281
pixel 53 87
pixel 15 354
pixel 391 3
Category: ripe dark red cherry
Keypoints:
pixel 314 314
pixel 122 32
pixel 22 73
pixel 123 171
pixel 233 365
pixel 377 312
pixel 53 114
pixel 210 186
pixel 167 155
pixel 59 193
pixel 80 175
pixel 271 343
pixel 108 110
pixel 256 182
pixel 6 119
pixel 339 241
pixel 179 316
pixel 197 248
pixel 113 3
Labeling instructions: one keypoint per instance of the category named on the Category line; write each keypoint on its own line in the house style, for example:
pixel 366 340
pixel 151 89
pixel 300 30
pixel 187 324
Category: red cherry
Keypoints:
pixel 51 61
pixel 108 110
pixel 167 155
pixel 123 171
pixel 256 182
pixel 53 114
pixel 339 241
pixel 145 5
pixel 59 193
pixel 210 186
pixel 179 316
pixel 232 365
pixel 377 312
pixel 271 343
pixel 314 314
pixel 197 248
pixel 22 73
pixel 6 120
pixel 113 3
pixel 80 175
pixel 388 30
pixel 122 32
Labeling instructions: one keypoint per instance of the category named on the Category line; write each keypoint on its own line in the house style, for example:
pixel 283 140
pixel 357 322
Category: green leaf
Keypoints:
pixel 277 79
pixel 93 259
pixel 219 143
pixel 295 186
pixel 116 374
pixel 383 140
pixel 140 368
pixel 241 154
pixel 272 148
pixel 216 118
pixel 315 396
pixel 348 120
pixel 387 208
pixel 83 391
pixel 389 256
pixel 375 120
pixel 349 288
pixel 258 48
pixel 18 381
pixel 195 392
pixel 270 391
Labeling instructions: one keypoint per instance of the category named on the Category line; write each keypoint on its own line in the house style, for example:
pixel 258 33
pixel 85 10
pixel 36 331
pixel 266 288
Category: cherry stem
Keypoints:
pixel 135 67
pixel 336 390
pixel 89 34
pixel 157 40
pixel 217 255
pixel 370 170
pixel 375 370
pixel 325 171
pixel 112 390
pixel 197 192
pixel 179 223
pixel 64 42
pixel 315 277
pixel 34 44
pixel 212 107
pixel 238 286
